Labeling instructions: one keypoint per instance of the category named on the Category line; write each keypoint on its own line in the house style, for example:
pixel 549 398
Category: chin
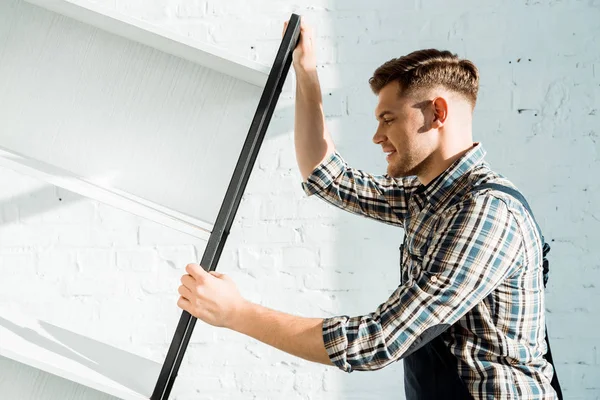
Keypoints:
pixel 396 171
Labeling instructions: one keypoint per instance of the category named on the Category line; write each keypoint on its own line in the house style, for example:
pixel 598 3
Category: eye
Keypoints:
pixel 388 121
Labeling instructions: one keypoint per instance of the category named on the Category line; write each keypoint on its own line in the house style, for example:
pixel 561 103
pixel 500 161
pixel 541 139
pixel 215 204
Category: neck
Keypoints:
pixel 440 160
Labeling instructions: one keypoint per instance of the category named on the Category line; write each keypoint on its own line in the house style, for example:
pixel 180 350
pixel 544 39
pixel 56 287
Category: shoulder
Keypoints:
pixel 468 196
pixel 496 206
pixel 490 205
pixel 480 207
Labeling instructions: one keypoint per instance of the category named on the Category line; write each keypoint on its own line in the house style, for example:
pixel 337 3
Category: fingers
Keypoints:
pixel 188 281
pixel 306 38
pixel 185 292
pixel 196 271
pixel 184 304
pixel 219 275
pixel 305 29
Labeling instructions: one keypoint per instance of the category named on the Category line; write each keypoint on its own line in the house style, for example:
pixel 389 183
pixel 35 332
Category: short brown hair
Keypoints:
pixel 425 69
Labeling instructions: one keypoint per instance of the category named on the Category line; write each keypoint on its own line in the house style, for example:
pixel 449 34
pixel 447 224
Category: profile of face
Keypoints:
pixel 407 130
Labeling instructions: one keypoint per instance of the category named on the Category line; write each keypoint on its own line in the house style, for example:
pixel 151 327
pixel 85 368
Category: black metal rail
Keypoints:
pixel 233 196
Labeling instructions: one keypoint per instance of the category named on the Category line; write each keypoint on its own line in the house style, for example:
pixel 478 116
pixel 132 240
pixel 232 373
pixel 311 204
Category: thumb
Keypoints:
pixel 217 274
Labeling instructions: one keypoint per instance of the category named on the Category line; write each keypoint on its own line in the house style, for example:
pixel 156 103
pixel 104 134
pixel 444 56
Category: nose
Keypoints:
pixel 379 137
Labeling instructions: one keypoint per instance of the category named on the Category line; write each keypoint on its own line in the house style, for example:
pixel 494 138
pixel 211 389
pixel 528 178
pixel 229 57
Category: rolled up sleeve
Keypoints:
pixel 378 197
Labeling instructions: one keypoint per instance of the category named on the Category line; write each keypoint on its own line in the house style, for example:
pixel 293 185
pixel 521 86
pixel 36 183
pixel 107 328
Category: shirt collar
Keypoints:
pixel 444 184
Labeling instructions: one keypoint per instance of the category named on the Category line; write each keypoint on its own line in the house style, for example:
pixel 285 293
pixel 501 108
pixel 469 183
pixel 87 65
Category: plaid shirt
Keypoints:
pixel 472 269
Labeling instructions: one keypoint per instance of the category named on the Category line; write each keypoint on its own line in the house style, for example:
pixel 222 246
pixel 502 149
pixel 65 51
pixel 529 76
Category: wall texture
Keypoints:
pixel 113 276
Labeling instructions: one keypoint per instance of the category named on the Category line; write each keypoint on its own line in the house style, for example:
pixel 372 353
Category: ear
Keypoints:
pixel 440 112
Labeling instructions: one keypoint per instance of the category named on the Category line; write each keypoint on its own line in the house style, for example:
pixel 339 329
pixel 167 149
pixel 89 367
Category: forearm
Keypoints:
pixel 299 336
pixel 312 140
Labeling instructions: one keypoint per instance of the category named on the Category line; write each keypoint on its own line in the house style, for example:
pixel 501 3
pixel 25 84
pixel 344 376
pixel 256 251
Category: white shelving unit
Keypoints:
pixel 140 119
pixel 121 111
pixel 142 32
pixel 74 357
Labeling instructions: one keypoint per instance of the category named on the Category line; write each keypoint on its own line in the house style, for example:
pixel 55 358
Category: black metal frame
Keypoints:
pixel 233 196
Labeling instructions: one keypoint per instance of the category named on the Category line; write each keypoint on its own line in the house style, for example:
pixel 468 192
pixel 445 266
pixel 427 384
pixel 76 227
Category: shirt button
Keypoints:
pixel 434 279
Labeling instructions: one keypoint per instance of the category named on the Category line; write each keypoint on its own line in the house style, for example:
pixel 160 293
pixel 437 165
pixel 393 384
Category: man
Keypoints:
pixel 468 317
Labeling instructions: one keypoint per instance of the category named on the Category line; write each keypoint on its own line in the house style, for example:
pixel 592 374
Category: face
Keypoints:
pixel 405 132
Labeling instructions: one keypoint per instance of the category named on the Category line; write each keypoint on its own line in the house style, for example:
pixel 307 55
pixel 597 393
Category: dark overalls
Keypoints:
pixel 431 371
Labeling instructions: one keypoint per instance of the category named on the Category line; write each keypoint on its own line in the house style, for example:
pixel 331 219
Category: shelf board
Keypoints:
pixel 161 39
pixel 112 197
pixel 75 357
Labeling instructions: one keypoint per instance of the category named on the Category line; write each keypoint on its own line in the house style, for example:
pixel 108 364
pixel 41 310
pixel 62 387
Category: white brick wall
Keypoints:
pixel 113 276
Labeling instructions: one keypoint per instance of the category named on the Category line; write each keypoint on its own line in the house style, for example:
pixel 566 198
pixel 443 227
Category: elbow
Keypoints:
pixel 351 348
pixel 376 359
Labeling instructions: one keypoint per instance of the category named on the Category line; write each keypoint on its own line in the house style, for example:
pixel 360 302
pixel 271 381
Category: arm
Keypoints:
pixel 298 336
pixel 476 246
pixel 312 140
pixel 464 264
pixel 377 197
pixel 323 171
pixel 214 298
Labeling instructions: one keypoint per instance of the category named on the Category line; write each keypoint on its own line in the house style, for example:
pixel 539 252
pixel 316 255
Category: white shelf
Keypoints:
pixel 118 121
pixel 161 39
pixel 113 197
pixel 75 357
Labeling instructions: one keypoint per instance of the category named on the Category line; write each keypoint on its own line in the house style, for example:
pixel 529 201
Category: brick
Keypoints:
pixel 219 8
pixel 277 210
pixel 320 233
pixel 268 161
pixel 163 281
pixel 381 5
pixel 154 11
pixel 302 257
pixel 19 235
pixel 272 181
pixel 9 213
pixel 111 216
pixel 257 261
pixel 177 257
pixel 263 380
pixel 84 235
pixel 269 232
pixel 158 235
pixel 374 54
pixel 223 33
pixel 56 264
pixel 95 260
pixel 143 260
pixel 307 382
pixel 96 285
pixel 191 9
pixel 18 263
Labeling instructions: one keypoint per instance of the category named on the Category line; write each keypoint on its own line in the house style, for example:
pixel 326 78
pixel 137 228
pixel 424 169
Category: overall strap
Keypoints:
pixel 514 193
pixel 517 195
pixel 546 248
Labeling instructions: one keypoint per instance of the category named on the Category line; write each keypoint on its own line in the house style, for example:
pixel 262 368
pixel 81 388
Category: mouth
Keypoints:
pixel 389 154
